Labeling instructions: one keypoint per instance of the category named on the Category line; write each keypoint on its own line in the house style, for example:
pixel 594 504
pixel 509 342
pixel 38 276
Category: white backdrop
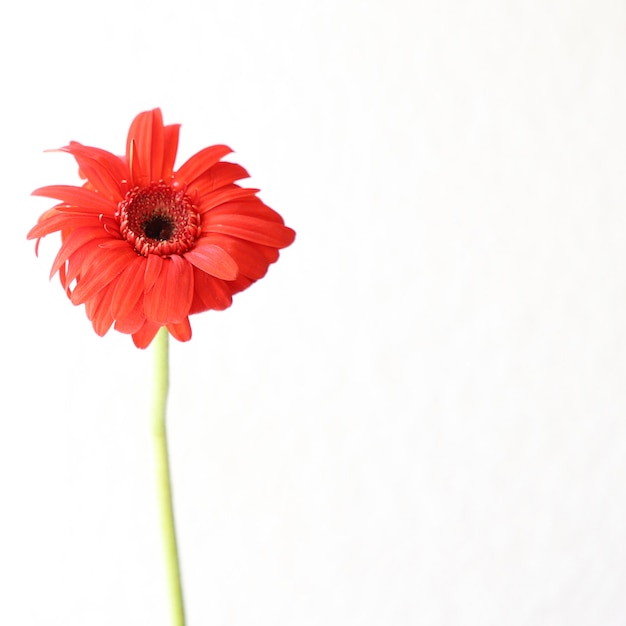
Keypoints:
pixel 417 417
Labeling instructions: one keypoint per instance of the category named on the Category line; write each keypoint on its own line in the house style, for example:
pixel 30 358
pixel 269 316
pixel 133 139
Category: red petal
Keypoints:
pixel 133 321
pixel 143 337
pixel 250 228
pixel 99 310
pixel 102 269
pixel 86 200
pixel 213 260
pixel 115 243
pixel 253 207
pixel 156 146
pixel 241 283
pixel 170 299
pixel 209 293
pixel 251 258
pixel 219 175
pixel 77 263
pixel 75 240
pixel 129 288
pixel 104 170
pixel 170 148
pixel 225 194
pixel 145 147
pixel 181 330
pixel 62 221
pixel 154 266
pixel 137 175
pixel 200 162
pixel 63 280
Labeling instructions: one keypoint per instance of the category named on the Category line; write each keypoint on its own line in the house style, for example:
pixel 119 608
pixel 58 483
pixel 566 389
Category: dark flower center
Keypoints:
pixel 158 220
pixel 159 227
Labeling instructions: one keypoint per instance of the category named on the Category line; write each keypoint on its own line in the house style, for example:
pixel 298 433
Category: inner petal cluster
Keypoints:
pixel 159 220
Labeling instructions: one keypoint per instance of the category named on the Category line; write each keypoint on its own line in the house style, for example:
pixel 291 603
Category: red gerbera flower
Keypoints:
pixel 144 246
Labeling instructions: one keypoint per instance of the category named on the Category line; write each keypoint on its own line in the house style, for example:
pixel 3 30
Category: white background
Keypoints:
pixel 418 416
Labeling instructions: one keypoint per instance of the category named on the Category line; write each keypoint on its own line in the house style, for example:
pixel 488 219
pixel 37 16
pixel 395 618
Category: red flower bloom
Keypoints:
pixel 144 246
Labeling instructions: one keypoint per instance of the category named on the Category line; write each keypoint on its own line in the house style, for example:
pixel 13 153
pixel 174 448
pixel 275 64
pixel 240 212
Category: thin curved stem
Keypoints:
pixel 159 432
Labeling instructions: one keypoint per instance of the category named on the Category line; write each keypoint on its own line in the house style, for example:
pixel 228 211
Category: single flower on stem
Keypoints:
pixel 145 245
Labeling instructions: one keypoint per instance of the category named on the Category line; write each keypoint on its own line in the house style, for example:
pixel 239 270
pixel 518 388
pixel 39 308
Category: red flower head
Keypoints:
pixel 144 246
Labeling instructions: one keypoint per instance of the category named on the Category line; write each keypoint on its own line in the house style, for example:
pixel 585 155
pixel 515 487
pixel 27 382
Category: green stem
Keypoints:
pixel 159 432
